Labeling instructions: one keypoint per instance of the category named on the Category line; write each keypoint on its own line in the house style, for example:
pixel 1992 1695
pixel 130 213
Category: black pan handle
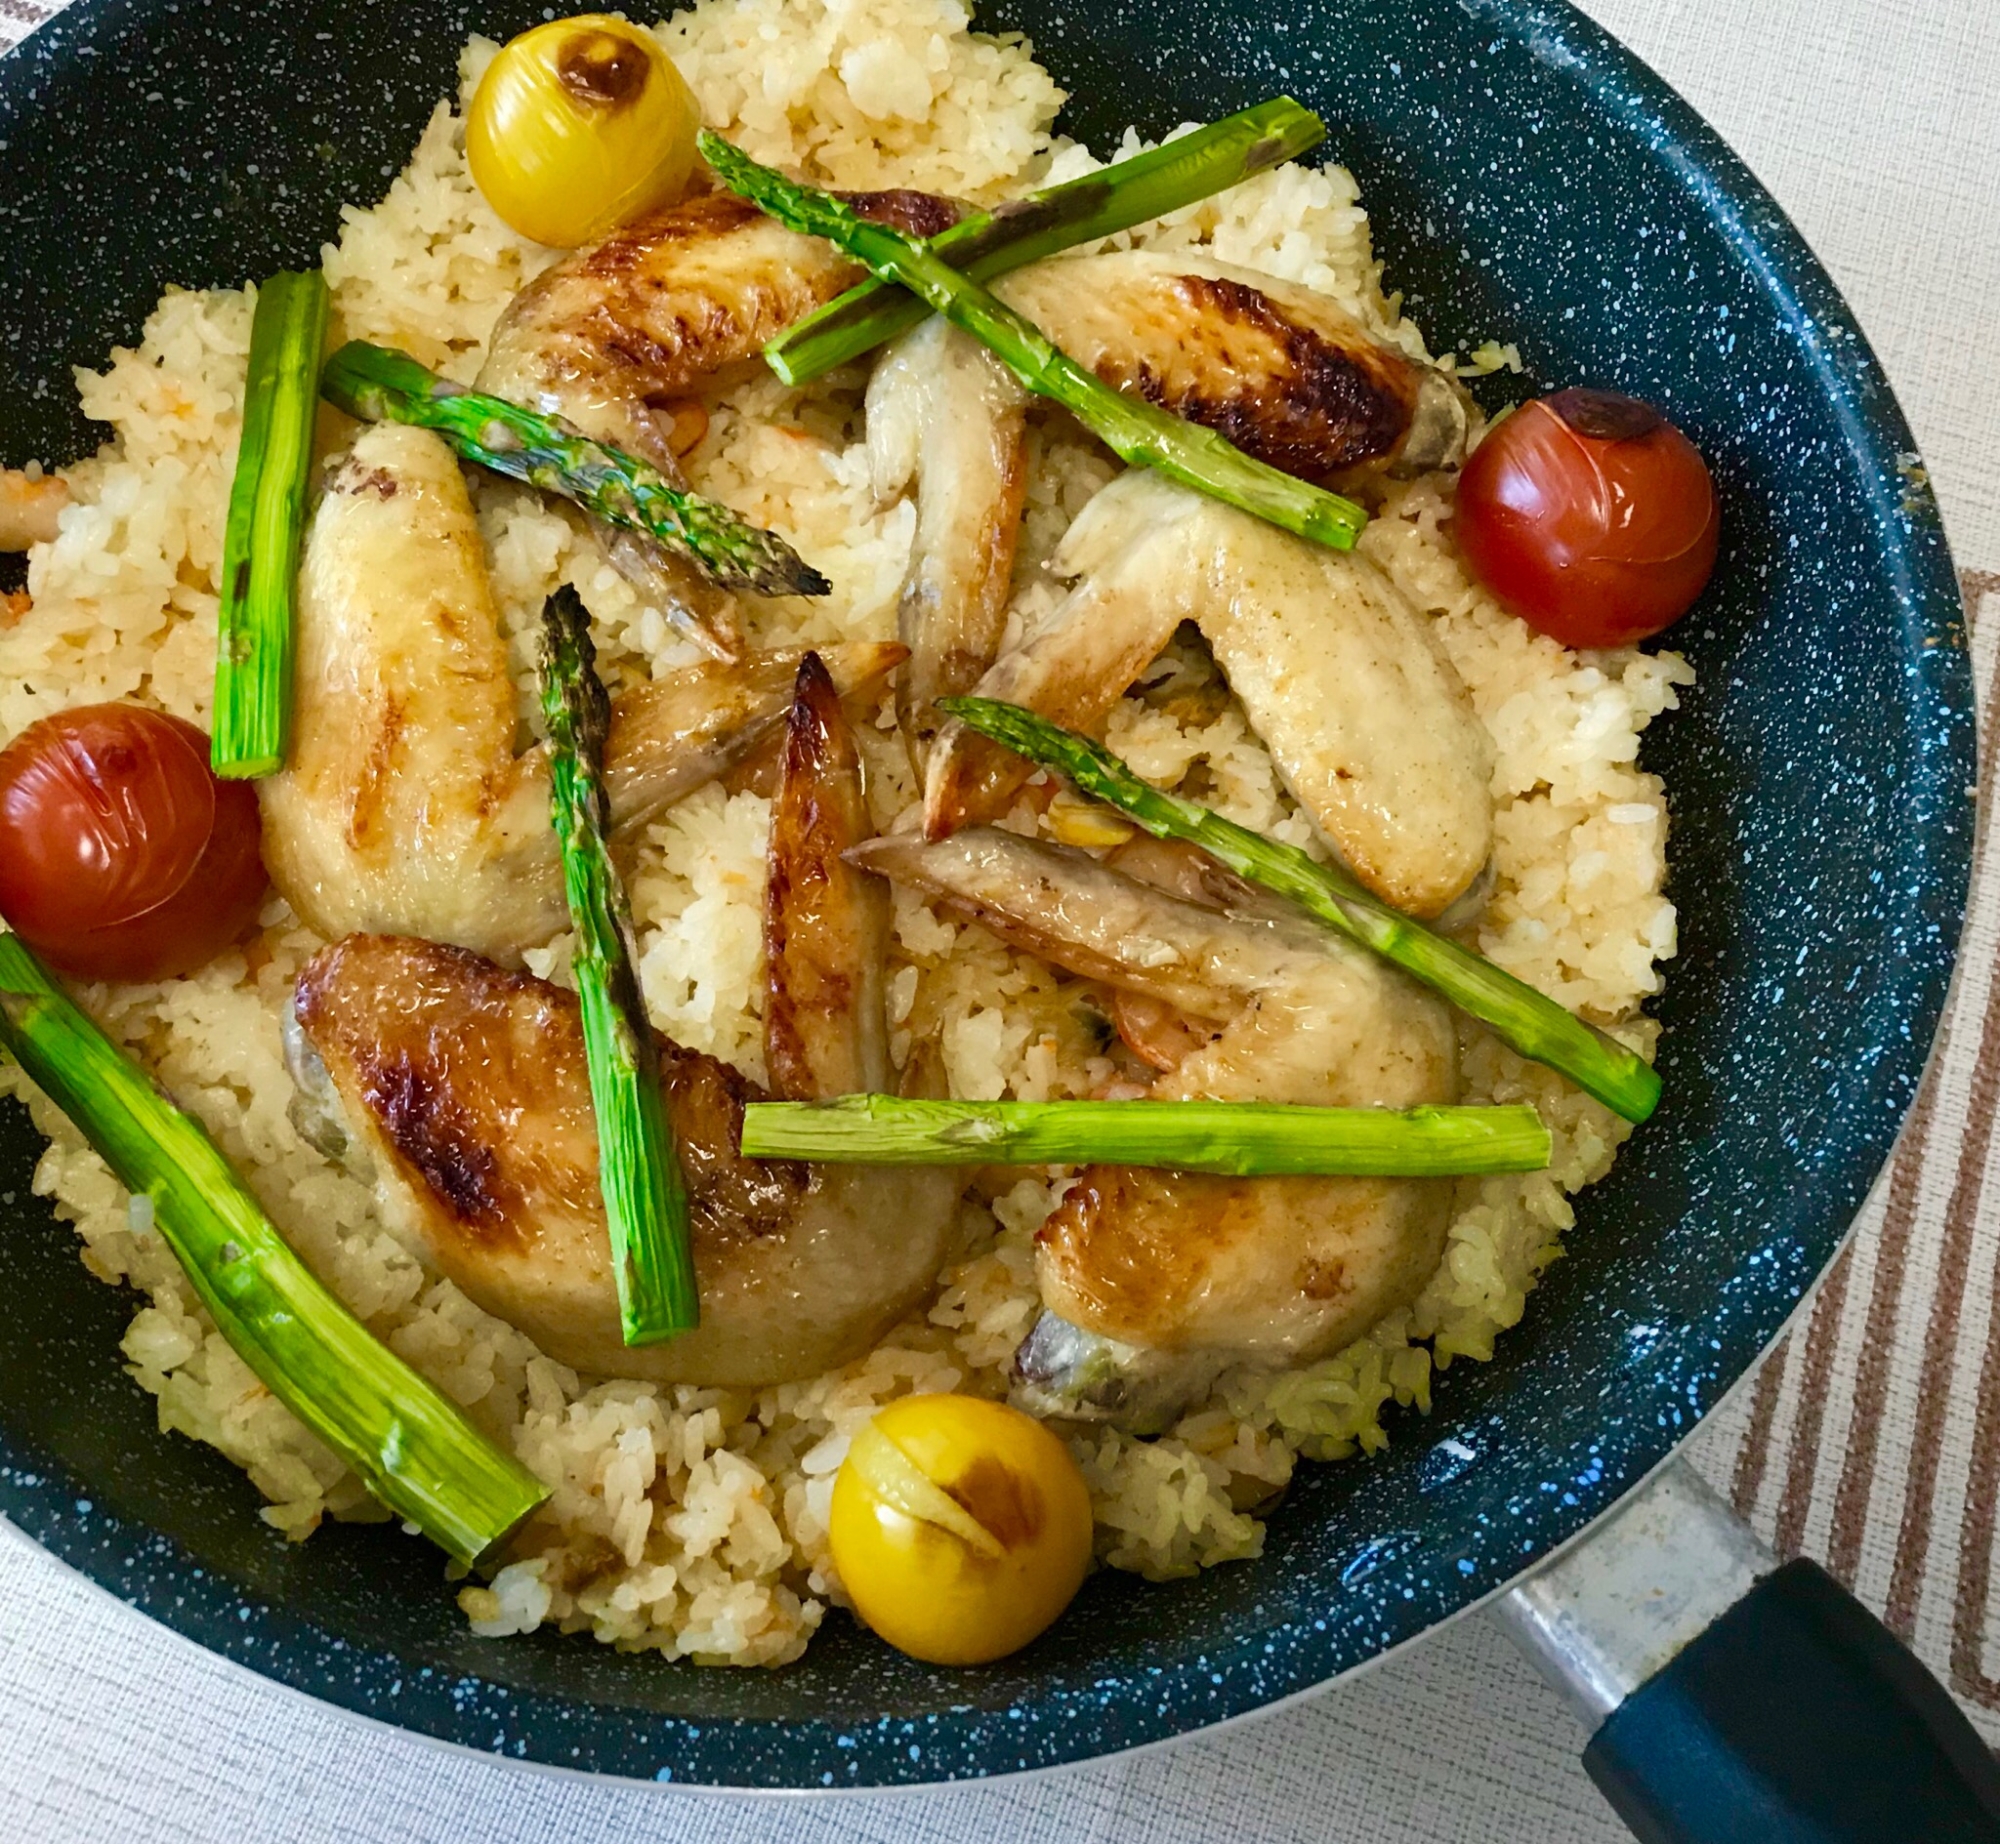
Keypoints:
pixel 1738 1701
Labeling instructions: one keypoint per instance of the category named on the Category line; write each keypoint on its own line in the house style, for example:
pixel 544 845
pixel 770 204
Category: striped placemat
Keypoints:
pixel 20 17
pixel 1870 1437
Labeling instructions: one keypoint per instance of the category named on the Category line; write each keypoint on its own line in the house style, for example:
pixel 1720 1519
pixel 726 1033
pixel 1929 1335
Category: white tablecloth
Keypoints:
pixel 1877 124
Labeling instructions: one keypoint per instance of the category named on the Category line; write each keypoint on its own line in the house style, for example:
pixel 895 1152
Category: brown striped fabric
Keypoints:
pixel 1870 1436
pixel 1857 1470
pixel 20 17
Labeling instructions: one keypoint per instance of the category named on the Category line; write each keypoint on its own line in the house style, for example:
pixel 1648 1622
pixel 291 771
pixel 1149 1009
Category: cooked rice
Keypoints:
pixel 688 1520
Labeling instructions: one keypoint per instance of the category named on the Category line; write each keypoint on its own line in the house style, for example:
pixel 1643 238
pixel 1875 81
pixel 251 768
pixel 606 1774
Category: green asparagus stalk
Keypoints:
pixel 1514 1011
pixel 989 243
pixel 410 1444
pixel 645 1195
pixel 1138 431
pixel 260 541
pixel 1246 1139
pixel 379 384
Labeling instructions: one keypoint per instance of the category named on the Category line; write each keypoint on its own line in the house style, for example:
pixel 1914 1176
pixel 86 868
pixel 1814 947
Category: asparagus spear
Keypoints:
pixel 1514 1011
pixel 1248 1139
pixel 989 243
pixel 379 384
pixel 1137 430
pixel 260 542
pixel 414 1449
pixel 645 1195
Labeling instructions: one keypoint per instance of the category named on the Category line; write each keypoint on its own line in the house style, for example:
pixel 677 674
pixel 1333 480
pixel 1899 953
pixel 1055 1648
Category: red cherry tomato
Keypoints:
pixel 122 857
pixel 1590 516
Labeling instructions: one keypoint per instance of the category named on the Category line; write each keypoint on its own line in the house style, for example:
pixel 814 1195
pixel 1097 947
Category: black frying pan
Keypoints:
pixel 1528 181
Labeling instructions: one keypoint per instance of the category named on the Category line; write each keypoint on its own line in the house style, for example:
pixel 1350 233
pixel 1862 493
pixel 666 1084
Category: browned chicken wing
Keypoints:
pixel 403 807
pixel 614 336
pixel 465 1088
pixel 1185 1265
pixel 826 923
pixel 619 335
pixel 1342 678
pixel 1284 372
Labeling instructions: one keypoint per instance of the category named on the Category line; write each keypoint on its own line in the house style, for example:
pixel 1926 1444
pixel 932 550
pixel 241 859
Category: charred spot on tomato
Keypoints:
pixel 1005 1503
pixel 1605 416
pixel 960 1527
pixel 603 70
pixel 580 126
pixel 114 762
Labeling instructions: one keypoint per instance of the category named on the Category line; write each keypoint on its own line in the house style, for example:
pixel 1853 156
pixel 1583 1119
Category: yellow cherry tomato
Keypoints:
pixel 580 126
pixel 961 1528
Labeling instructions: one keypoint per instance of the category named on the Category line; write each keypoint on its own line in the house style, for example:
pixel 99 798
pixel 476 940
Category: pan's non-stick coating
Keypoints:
pixel 1528 182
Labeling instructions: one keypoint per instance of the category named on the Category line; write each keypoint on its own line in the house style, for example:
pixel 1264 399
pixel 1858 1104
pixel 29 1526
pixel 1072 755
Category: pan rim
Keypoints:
pixel 1211 1688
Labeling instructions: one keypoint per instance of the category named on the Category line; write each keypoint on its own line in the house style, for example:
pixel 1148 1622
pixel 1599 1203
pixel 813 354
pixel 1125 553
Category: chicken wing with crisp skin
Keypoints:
pixel 1154 1280
pixel 464 1087
pixel 672 304
pixel 403 807
pixel 1286 373
pixel 1365 717
pixel 616 336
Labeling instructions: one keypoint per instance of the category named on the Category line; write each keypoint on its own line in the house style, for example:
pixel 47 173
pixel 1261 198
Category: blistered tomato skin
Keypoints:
pixel 961 1528
pixel 579 126
pixel 122 857
pixel 1590 516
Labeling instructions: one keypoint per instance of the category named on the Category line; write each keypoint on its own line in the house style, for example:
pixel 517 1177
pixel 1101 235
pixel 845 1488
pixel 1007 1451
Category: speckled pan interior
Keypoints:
pixel 1528 181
